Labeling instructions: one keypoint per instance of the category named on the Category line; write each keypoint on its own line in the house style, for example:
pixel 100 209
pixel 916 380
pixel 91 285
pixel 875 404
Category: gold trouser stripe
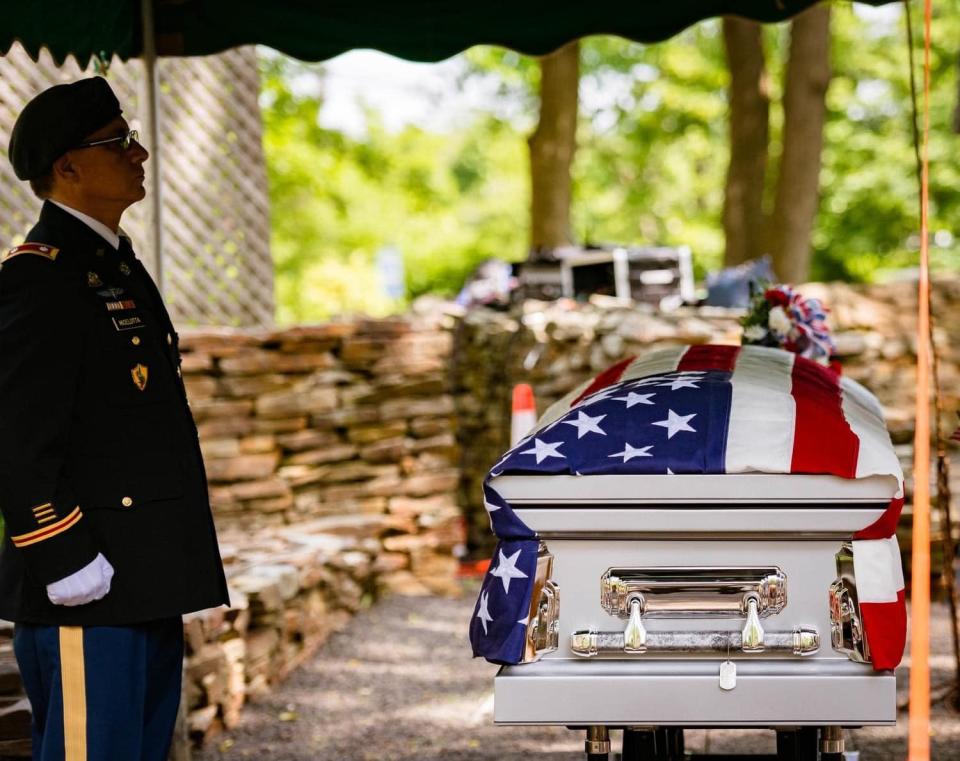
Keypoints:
pixel 73 678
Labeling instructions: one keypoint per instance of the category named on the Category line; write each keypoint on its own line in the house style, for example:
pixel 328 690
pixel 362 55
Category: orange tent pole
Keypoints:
pixel 919 721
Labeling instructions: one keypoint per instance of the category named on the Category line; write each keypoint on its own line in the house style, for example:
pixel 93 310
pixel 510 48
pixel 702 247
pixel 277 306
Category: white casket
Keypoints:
pixel 730 599
pixel 691 553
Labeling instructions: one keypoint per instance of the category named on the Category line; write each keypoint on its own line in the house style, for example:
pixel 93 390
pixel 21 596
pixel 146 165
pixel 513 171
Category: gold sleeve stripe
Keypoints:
pixel 24 540
pixel 45 511
pixel 46 518
pixel 73 684
pixel 44 506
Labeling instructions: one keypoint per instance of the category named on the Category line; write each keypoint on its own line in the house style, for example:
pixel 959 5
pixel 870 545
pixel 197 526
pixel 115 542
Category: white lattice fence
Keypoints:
pixel 216 225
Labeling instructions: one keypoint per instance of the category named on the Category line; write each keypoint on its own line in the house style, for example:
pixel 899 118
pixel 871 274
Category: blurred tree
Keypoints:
pixel 649 163
pixel 749 140
pixel 798 179
pixel 785 233
pixel 552 148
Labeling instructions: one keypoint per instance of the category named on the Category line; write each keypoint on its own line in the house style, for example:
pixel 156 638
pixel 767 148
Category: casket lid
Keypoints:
pixel 705 489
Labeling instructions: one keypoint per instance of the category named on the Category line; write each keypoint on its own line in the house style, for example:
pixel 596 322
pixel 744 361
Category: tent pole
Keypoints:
pixel 150 100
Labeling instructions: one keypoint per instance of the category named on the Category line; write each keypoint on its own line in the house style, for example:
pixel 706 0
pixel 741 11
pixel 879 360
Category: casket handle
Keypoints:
pixel 695 591
pixel 543 617
pixel 635 636
pixel 846 623
pixel 752 634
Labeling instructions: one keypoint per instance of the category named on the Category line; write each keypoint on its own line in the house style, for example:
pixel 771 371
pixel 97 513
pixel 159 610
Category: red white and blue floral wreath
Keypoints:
pixel 781 317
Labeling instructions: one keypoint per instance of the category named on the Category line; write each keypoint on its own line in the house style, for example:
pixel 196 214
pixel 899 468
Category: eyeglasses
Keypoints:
pixel 124 141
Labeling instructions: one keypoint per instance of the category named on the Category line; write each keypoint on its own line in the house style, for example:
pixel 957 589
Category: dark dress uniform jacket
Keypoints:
pixel 98 450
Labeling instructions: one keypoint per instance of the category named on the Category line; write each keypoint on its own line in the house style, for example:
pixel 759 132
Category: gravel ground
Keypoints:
pixel 399 684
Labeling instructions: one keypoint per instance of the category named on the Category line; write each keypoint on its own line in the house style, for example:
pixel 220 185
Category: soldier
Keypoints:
pixel 108 535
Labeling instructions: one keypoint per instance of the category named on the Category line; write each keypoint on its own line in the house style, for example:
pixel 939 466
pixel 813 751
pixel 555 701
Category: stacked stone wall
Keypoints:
pixel 347 419
pixel 333 466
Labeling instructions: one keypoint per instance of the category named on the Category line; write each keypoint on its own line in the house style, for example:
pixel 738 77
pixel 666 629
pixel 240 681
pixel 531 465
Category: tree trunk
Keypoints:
pixel 749 133
pixel 804 112
pixel 552 147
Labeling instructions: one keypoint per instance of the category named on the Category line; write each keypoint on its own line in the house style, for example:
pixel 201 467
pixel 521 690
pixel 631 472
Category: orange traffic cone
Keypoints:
pixel 524 414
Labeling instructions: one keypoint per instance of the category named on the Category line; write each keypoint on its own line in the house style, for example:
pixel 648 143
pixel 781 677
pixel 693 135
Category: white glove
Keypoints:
pixel 86 585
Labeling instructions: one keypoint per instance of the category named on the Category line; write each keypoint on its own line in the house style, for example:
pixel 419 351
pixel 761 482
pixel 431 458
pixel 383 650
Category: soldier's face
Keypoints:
pixel 108 173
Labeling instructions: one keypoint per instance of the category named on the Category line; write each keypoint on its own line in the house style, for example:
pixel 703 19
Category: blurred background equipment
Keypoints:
pixel 658 275
pixel 391 271
pixel 730 287
pixel 489 285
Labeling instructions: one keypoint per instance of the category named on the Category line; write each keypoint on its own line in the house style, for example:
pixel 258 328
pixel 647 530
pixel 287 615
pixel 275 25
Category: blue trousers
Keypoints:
pixel 102 693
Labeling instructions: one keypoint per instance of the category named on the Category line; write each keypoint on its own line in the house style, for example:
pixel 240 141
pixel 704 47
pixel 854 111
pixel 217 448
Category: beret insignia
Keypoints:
pixel 38 249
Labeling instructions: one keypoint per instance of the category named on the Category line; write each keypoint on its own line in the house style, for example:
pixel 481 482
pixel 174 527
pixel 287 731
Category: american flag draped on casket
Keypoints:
pixel 711 410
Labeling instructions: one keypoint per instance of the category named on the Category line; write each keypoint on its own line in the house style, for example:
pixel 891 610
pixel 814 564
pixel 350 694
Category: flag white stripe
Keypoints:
pixel 762 412
pixel 657 363
pixel 561 407
pixel 865 418
pixel 876 563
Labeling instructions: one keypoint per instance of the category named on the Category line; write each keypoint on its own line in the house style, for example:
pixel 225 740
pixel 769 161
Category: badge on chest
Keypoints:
pixel 124 314
pixel 139 374
pixel 131 322
pixel 121 306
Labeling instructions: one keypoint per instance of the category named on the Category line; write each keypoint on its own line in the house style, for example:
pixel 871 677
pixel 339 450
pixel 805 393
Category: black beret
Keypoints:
pixel 57 120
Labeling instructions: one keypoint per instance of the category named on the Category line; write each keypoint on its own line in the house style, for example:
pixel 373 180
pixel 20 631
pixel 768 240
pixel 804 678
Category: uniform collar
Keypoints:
pixel 98 227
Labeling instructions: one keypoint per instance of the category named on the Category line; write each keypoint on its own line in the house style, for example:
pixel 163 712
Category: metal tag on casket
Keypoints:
pixel 725 596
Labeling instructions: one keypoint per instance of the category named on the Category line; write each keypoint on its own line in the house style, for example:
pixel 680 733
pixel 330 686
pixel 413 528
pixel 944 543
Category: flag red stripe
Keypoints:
pixel 885 624
pixel 607 378
pixel 822 439
pixel 709 357
pixel 886 525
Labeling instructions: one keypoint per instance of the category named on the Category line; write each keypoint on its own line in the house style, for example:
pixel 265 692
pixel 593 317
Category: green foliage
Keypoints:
pixel 650 166
pixel 446 201
pixel 652 172
pixel 758 317
pixel 868 219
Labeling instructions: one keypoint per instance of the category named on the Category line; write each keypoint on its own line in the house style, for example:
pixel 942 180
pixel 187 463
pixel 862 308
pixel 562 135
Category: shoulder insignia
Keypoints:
pixel 38 249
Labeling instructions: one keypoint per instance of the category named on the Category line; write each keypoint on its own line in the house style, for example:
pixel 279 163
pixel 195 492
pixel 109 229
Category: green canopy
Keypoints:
pixel 419 30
